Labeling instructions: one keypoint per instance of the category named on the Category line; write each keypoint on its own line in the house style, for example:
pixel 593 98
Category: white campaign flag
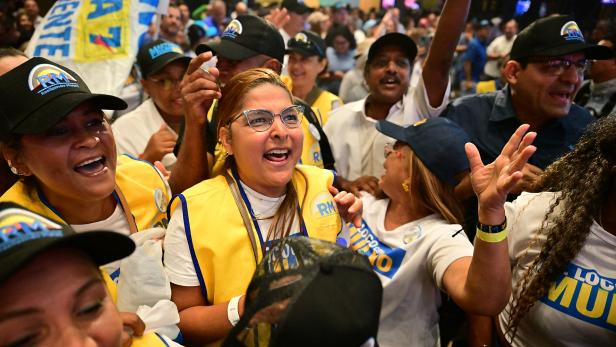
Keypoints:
pixel 98 39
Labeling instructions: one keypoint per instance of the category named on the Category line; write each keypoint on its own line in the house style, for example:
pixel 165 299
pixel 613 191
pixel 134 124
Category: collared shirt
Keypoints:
pixel 490 120
pixel 356 144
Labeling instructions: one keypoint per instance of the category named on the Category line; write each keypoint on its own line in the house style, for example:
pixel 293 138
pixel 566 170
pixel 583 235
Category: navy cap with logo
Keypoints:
pixel 309 292
pixel 245 37
pixel 39 93
pixel 307 43
pixel 438 142
pixel 553 36
pixel 393 39
pixel 154 56
pixel 296 6
pixel 25 234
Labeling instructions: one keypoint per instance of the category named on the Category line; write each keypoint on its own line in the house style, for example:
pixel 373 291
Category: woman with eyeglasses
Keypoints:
pixel 306 61
pixel 413 237
pixel 221 228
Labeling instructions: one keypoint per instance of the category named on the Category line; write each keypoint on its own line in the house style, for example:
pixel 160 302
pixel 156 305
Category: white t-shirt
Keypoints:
pixel 410 261
pixel 356 144
pixel 133 130
pixel 499 46
pixel 116 222
pixel 580 309
pixel 178 262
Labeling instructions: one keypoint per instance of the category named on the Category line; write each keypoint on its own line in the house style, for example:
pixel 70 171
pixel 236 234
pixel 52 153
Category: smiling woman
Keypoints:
pixel 222 227
pixel 58 143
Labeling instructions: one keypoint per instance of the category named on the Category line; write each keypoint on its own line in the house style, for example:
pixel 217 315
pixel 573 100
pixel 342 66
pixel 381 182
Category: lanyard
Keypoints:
pixel 117 195
pixel 255 222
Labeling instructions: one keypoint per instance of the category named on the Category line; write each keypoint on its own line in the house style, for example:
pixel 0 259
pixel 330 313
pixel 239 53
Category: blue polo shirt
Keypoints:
pixel 477 54
pixel 490 120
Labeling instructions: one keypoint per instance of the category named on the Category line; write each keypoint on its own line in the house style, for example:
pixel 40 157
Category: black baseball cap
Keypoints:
pixel 554 36
pixel 296 6
pixel 24 234
pixel 393 39
pixel 245 37
pixel 307 43
pixel 38 93
pixel 437 142
pixel 309 292
pixel 154 56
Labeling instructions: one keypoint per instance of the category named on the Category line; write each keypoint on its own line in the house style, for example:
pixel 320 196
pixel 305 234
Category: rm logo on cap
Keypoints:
pixel 571 31
pixel 233 29
pixel 45 78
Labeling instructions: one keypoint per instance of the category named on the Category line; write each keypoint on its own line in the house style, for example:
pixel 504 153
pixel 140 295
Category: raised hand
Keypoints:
pixel 494 181
pixel 349 206
pixel 279 17
pixel 199 88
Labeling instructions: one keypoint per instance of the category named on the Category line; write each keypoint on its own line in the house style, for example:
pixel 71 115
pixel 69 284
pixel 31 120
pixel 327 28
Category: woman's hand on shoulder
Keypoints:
pixel 349 206
pixel 491 183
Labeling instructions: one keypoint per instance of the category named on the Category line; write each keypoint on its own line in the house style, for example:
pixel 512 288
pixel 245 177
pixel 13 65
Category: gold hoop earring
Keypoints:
pixel 405 187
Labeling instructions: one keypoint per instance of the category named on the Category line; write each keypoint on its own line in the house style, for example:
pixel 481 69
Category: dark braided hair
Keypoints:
pixel 583 179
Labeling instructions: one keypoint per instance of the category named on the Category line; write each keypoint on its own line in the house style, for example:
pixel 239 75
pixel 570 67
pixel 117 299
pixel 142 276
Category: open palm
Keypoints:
pixel 494 181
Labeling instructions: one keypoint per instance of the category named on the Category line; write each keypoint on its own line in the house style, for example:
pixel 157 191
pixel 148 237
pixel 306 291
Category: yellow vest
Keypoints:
pixel 218 241
pixel 324 104
pixel 144 189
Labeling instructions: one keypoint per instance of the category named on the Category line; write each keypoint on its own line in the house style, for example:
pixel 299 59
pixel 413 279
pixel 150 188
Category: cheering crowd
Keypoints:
pixel 292 176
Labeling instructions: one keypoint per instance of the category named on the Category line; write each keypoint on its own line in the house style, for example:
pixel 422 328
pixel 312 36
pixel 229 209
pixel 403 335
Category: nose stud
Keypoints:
pixel 97 139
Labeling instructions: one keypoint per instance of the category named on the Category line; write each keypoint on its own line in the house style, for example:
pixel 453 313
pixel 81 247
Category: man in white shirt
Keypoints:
pixel 356 144
pixel 499 48
pixel 150 131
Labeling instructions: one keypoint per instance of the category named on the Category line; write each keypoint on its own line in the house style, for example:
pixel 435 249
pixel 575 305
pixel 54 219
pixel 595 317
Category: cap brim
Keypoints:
pixel 591 51
pixel 228 49
pixel 161 63
pixel 102 247
pixel 59 107
pixel 392 130
pixel 304 52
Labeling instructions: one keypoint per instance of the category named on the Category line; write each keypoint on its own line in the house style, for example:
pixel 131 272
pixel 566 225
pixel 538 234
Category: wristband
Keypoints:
pixel 492 229
pixel 233 311
pixel 491 237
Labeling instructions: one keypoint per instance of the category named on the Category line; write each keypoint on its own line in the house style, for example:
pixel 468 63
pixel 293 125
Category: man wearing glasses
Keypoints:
pixel 150 131
pixel 546 68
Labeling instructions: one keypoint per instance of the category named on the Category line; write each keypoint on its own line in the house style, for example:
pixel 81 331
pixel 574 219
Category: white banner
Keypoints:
pixel 98 39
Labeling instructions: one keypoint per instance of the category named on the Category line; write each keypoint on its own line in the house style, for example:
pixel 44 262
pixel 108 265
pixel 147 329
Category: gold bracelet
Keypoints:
pixel 492 237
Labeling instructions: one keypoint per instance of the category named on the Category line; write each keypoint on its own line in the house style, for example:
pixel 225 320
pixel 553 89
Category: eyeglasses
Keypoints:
pixel 262 120
pixel 557 67
pixel 166 83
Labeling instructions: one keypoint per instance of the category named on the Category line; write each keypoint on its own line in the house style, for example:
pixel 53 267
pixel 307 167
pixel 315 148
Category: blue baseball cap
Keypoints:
pixel 25 234
pixel 438 142
pixel 154 56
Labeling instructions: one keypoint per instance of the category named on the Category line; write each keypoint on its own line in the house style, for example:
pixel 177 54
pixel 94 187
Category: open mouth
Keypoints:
pixel 562 98
pixel 390 81
pixel 92 167
pixel 277 155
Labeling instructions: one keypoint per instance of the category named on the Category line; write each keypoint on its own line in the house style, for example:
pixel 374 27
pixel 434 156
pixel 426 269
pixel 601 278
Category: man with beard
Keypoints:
pixel 356 144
